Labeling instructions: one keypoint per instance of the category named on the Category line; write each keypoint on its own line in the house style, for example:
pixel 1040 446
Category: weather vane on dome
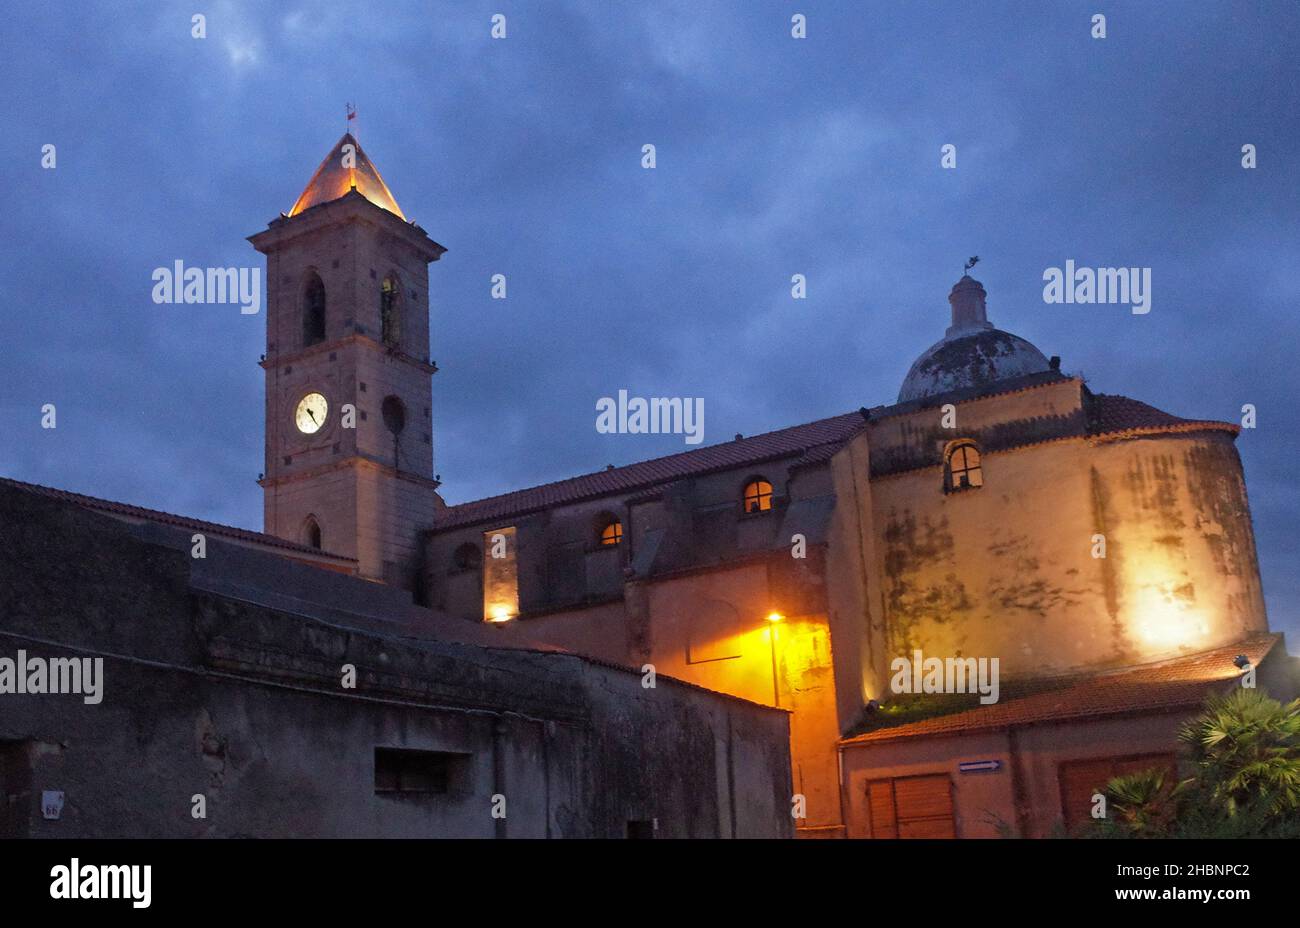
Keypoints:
pixel 352 114
pixel 970 263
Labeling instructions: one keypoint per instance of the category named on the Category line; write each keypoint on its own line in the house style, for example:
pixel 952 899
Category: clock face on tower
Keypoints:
pixel 310 414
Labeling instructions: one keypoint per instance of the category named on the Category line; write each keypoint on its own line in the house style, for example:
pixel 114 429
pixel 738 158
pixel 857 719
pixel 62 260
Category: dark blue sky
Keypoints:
pixel 775 157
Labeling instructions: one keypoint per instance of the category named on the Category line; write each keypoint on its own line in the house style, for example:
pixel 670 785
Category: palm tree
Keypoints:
pixel 1247 750
pixel 1244 754
pixel 1143 804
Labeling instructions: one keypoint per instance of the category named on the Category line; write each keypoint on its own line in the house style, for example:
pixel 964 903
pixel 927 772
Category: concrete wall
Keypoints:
pixel 210 690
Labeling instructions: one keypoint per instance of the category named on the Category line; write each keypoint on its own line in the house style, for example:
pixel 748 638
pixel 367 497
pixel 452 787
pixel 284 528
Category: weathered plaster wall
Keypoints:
pixel 211 691
pixel 1003 571
pixel 1008 571
pixel 711 629
pixel 1181 571
pixel 985 802
pixel 853 585
pixel 979 799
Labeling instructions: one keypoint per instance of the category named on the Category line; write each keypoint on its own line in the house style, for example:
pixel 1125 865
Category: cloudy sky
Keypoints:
pixel 775 156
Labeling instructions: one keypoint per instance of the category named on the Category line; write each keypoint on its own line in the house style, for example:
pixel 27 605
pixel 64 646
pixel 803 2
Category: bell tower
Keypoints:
pixel 349 435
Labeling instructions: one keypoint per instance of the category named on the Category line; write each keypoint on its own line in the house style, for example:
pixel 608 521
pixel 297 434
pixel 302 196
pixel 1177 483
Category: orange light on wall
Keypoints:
pixel 500 575
pixel 774 617
pixel 1164 621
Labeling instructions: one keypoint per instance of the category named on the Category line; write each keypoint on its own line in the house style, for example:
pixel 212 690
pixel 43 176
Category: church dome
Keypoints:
pixel 972 353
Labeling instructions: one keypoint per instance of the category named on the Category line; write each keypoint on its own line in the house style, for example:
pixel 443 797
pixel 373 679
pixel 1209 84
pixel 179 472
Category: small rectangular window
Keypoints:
pixel 405 772
pixel 641 828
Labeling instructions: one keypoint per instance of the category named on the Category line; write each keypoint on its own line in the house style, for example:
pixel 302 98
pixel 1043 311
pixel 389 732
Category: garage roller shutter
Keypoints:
pixel 912 807
pixel 1079 779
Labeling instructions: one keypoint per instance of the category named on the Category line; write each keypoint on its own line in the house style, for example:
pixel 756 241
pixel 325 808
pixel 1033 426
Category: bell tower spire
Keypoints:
pixel 349 443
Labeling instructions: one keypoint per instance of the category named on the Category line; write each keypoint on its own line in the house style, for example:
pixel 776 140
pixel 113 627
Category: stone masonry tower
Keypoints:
pixel 349 438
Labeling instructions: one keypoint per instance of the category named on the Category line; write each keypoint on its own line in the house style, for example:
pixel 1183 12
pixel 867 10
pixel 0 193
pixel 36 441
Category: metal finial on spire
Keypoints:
pixel 352 115
pixel 970 263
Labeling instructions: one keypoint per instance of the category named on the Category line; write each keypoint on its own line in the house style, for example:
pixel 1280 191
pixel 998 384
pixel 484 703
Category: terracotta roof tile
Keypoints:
pixel 798 440
pixel 814 442
pixel 1175 684
pixel 1109 414
pixel 167 518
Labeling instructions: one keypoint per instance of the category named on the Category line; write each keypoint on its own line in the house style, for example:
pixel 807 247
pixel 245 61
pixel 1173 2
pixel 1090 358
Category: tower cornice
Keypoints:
pixel 351 461
pixel 354 338
pixel 349 208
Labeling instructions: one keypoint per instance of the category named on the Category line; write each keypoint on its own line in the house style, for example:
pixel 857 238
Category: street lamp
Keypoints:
pixel 774 618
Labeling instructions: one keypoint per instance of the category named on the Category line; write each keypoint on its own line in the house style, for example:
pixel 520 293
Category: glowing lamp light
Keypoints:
pixel 1164 622
pixel 501 614
pixel 774 617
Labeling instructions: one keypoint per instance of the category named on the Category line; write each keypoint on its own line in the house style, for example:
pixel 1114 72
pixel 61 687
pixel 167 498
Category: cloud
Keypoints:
pixel 776 156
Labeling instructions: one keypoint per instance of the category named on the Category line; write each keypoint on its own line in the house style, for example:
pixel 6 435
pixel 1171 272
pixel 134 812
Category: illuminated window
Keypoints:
pixel 612 533
pixel 311 532
pixel 758 496
pixel 962 467
pixel 500 575
pixel 467 557
pixel 390 317
pixel 313 310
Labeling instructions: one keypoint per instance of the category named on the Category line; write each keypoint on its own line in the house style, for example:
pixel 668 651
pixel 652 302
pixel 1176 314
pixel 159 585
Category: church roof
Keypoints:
pixel 1180 683
pixel 1112 414
pixel 126 510
pixel 333 180
pixel 799 439
pixel 1105 416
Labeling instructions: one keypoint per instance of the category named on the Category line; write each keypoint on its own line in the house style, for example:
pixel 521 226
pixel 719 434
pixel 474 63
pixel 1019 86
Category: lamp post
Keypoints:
pixel 774 618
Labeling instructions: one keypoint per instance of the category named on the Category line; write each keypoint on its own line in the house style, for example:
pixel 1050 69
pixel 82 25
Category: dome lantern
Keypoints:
pixel 972 352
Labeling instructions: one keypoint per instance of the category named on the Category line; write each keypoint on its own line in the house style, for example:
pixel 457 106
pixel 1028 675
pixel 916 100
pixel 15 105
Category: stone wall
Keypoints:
pixel 222 679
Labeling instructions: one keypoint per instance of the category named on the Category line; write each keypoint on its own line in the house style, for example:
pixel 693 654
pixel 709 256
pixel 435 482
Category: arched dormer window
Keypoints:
pixel 961 466
pixel 467 557
pixel 311 533
pixel 757 496
pixel 612 532
pixel 313 310
pixel 390 311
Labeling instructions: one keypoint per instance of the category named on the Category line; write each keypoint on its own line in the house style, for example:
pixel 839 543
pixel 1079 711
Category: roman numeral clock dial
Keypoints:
pixel 309 417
